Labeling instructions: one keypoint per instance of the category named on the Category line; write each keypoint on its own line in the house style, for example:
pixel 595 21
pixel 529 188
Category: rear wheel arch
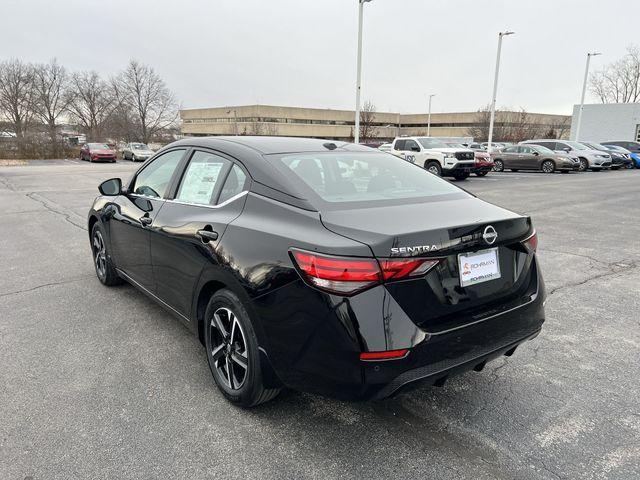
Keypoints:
pixel 204 295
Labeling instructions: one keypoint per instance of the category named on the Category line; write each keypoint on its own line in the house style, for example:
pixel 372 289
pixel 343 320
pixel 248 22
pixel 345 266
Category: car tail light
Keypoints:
pixel 349 275
pixel 402 268
pixel 531 242
pixel 384 355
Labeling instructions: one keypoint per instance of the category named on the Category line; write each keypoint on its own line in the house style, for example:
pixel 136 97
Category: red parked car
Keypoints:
pixel 484 163
pixel 97 152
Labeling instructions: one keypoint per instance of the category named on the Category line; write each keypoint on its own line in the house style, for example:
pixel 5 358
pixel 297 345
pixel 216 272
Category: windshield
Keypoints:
pixel 456 145
pixel 139 146
pixel 576 145
pixel 99 146
pixel 541 149
pixel 363 177
pixel 431 143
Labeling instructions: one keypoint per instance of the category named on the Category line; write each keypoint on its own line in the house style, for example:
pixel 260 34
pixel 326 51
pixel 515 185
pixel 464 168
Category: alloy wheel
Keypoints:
pixel 547 167
pixel 433 169
pixel 99 254
pixel 229 348
pixel 584 165
pixel 498 166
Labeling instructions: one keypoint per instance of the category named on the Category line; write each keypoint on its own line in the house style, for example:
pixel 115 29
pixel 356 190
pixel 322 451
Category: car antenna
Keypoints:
pixel 329 146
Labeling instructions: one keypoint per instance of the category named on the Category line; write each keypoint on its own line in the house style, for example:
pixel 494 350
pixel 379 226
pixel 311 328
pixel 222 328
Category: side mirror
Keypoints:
pixel 536 153
pixel 415 149
pixel 111 187
pixel 566 149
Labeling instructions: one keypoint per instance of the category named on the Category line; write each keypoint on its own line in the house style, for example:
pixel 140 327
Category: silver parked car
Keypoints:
pixel 136 151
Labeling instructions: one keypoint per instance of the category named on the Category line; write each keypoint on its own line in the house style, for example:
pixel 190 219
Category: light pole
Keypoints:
pixel 429 117
pixel 584 90
pixel 356 134
pixel 495 89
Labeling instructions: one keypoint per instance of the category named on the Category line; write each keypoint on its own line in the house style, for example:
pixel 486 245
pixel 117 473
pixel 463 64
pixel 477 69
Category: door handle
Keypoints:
pixel 145 221
pixel 207 235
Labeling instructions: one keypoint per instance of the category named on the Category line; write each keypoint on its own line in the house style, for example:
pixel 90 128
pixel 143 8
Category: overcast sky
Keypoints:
pixel 303 52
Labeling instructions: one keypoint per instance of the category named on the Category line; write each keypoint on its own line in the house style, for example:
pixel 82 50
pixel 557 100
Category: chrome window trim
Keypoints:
pixel 192 204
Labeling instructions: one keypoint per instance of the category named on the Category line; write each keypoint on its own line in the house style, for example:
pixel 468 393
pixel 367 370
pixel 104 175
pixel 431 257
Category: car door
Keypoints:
pixel 409 149
pixel 134 213
pixel 528 159
pixel 186 232
pixel 509 157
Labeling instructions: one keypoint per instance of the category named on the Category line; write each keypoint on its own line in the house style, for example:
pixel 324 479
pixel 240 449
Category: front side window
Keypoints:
pixel 199 181
pixel 510 150
pixel 363 177
pixel 154 180
pixel 525 150
pixel 234 184
pixel 411 146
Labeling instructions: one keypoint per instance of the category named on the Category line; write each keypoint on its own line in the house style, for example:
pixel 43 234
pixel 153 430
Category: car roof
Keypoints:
pixel 271 145
pixel 252 152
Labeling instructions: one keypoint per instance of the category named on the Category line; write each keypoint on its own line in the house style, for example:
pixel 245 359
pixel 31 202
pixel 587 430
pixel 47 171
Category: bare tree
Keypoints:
pixel 479 129
pixel 261 128
pixel 51 92
pixel 152 104
pixel 367 118
pixel 509 126
pixel 91 103
pixel 16 95
pixel 619 82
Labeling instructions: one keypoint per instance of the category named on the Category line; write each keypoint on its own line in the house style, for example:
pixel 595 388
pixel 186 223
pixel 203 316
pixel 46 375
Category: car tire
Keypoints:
pixel 433 167
pixel 481 174
pixel 584 165
pixel 498 165
pixel 133 158
pixel 231 342
pixel 105 271
pixel 548 166
pixel 629 166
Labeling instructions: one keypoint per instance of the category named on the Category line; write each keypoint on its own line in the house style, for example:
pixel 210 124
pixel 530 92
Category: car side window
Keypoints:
pixel 399 145
pixel 234 184
pixel 200 178
pixel 561 146
pixel 412 146
pixel 154 179
pixel 525 150
pixel 511 150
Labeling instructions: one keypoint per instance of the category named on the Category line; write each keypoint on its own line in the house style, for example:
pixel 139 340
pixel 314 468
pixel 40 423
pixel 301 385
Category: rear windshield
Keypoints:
pixel 351 177
pixel 99 146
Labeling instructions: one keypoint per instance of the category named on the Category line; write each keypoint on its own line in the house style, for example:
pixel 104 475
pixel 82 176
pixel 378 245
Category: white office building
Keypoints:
pixel 607 122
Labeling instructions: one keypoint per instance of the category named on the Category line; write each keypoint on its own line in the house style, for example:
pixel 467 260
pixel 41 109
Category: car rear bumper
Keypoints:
pixel 317 349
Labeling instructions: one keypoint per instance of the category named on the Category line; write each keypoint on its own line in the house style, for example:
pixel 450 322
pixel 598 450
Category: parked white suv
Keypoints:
pixel 589 158
pixel 435 156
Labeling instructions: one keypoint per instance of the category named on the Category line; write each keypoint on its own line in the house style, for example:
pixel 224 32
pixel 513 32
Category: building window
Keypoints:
pixel 638 133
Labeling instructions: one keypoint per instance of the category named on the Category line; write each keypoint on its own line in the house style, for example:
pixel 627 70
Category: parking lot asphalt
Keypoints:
pixel 100 382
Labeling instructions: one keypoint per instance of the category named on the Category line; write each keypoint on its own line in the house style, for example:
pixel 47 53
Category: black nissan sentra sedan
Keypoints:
pixel 320 266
